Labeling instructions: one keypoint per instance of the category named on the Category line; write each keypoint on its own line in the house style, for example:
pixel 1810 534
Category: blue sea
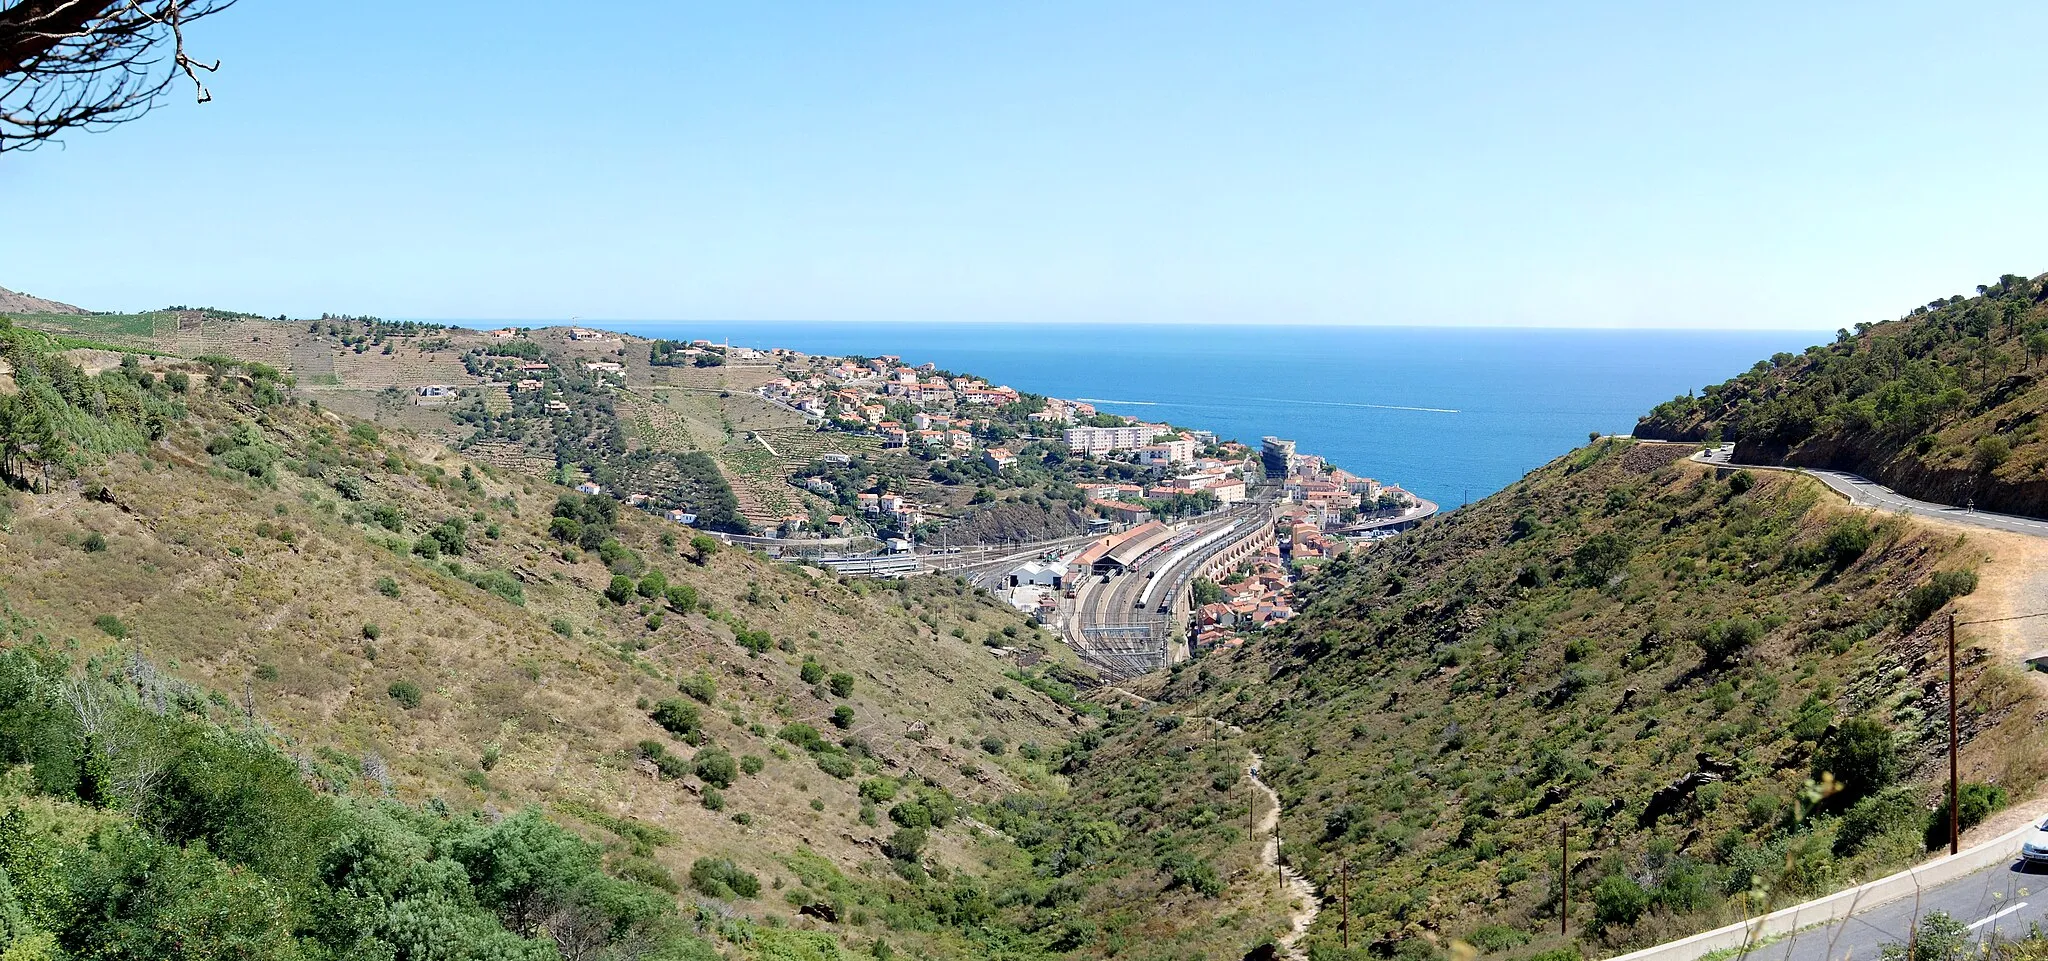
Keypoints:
pixel 1449 413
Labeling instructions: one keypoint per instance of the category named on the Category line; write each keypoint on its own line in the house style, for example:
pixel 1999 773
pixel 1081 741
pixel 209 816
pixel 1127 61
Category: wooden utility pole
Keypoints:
pixel 1955 827
pixel 1344 898
pixel 1564 873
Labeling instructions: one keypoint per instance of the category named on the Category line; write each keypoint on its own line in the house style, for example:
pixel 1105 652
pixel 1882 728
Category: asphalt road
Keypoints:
pixel 2002 901
pixel 1869 493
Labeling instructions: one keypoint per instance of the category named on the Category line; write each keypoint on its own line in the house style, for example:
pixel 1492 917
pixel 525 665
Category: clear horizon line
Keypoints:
pixel 599 322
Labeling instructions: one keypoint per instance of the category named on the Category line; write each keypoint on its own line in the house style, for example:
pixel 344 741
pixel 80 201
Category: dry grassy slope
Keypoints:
pixel 1439 705
pixel 189 568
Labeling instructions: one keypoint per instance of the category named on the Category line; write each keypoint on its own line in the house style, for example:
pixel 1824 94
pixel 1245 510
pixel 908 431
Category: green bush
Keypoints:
pixel 716 767
pixel 682 597
pixel 1922 601
pixel 620 590
pixel 701 687
pixel 387 587
pixel 1722 640
pixel 1977 801
pixel 110 626
pixel 95 542
pixel 842 717
pixel 811 672
pixel 720 878
pixel 1618 901
pixel 676 717
pixel 842 685
pixel 405 692
pixel 1863 757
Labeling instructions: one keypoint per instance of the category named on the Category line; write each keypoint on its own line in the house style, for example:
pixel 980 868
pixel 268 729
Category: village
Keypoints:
pixel 1159 502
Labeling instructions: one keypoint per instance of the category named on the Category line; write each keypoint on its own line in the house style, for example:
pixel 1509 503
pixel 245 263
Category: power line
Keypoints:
pixel 1997 620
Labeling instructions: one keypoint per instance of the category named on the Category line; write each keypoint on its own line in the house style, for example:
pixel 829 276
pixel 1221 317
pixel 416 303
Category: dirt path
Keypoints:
pixel 1303 901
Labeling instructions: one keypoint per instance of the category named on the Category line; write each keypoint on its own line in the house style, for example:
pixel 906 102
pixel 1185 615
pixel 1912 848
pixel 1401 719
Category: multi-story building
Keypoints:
pixel 1277 457
pixel 1102 440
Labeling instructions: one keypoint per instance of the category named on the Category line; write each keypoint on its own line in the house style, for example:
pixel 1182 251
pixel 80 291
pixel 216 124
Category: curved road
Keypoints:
pixel 1865 492
pixel 2001 899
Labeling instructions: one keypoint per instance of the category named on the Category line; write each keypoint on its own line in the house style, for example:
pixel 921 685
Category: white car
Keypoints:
pixel 2034 850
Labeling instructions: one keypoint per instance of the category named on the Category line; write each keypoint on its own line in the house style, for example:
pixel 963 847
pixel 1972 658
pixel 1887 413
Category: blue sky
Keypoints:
pixel 1583 164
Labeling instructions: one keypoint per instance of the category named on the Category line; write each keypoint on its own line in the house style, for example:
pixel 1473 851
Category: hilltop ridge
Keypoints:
pixel 1942 403
pixel 15 302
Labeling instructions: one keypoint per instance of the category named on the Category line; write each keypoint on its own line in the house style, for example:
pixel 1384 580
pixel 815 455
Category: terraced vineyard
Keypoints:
pixel 265 341
pixel 761 483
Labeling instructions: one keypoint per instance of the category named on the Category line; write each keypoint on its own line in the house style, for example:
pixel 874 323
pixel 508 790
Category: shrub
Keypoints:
pixel 1495 938
pixel 702 547
pixel 405 692
pixel 1196 874
pixel 905 844
pixel 1938 937
pixel 1847 539
pixel 992 744
pixel 1618 900
pixel 1862 756
pixel 752 764
pixel 721 878
pixel 676 717
pixel 372 632
pixel 1976 802
pixel 804 736
pixel 562 627
pixel 620 590
pixel 837 765
pixel 1924 600
pixel 716 767
pixel 1741 482
pixel 1992 451
pixel 1722 640
pixel 682 597
pixel 95 542
pixel 110 626
pixel 701 687
pixel 387 587
pixel 842 685
pixel 811 672
pixel 842 717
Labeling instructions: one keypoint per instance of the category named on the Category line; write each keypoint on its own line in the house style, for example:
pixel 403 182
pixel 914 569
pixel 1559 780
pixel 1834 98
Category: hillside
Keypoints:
pixel 1943 403
pixel 1727 686
pixel 14 302
pixel 413 645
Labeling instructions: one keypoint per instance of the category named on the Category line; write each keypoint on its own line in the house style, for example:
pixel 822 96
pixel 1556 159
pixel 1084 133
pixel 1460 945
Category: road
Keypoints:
pixel 1865 492
pixel 2000 900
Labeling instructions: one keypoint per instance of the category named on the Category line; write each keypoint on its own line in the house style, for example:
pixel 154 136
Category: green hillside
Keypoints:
pixel 1943 403
pixel 1723 685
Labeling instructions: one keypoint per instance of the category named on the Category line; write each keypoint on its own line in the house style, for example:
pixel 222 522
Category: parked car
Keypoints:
pixel 2034 850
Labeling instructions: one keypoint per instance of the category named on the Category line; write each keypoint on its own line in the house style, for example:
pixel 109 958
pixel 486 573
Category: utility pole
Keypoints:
pixel 1344 886
pixel 1955 830
pixel 1564 868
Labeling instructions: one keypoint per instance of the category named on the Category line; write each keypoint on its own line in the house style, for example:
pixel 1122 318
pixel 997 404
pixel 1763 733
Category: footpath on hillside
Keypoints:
pixel 1304 902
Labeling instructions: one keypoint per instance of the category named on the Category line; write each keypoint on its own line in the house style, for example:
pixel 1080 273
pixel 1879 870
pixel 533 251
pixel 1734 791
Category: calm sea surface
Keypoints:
pixel 1445 412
